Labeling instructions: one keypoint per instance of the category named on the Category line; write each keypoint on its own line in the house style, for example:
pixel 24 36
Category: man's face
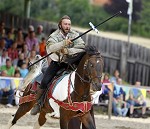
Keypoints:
pixel 8 64
pixel 65 25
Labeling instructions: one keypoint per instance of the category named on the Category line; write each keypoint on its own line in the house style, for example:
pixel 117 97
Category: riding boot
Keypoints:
pixel 37 107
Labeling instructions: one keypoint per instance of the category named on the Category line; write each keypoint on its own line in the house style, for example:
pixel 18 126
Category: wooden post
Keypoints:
pixel 110 102
pixel 123 60
pixel 27 6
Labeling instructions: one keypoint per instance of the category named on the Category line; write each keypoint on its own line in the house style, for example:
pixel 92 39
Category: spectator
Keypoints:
pixel 21 60
pixel 17 92
pixel 36 48
pixel 136 99
pixel 6 89
pixel 12 35
pixel 116 93
pixel 4 57
pixel 118 90
pixel 121 106
pixel 42 47
pixel 19 39
pixel 2 45
pixel 31 41
pixel 32 56
pixel 26 51
pixel 13 52
pixel 17 74
pixel 114 78
pixel 8 67
pixel 105 90
pixel 2 30
pixel 23 70
pixel 30 28
pixel 8 40
pixel 39 33
pixel 106 78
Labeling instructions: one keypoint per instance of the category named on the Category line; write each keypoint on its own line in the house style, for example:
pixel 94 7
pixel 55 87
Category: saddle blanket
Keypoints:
pixel 60 92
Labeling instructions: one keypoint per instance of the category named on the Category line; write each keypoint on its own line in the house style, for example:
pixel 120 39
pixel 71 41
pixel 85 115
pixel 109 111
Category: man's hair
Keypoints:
pixel 8 59
pixel 64 17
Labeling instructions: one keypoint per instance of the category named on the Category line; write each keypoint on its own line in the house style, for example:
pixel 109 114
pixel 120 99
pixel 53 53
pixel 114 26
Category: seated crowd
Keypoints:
pixel 123 105
pixel 17 49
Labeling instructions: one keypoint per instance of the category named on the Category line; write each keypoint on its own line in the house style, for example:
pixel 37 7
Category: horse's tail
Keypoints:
pixel 31 76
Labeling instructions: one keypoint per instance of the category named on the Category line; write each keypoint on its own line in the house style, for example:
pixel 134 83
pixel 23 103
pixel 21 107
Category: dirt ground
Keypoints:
pixel 102 121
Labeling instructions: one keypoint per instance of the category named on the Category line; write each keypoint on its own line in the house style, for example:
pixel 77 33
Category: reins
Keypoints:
pixel 83 80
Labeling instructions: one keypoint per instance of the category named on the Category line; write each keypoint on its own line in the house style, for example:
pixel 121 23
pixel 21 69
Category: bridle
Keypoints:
pixel 87 66
pixel 87 78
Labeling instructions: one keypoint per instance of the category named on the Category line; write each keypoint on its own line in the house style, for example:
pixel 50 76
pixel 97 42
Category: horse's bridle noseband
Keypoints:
pixel 89 64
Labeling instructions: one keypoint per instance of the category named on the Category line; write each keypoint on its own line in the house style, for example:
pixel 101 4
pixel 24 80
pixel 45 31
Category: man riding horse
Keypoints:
pixel 63 49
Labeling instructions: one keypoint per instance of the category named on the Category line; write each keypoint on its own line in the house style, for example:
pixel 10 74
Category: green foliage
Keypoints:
pixel 12 6
pixel 81 13
pixel 142 27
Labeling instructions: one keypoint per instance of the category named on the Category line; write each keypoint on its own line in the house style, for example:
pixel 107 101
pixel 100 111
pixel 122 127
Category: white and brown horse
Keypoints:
pixel 69 96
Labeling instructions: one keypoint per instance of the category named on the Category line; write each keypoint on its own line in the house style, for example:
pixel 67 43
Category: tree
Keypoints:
pixel 122 5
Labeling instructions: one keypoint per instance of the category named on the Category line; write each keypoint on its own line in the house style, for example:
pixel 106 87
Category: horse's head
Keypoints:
pixel 93 67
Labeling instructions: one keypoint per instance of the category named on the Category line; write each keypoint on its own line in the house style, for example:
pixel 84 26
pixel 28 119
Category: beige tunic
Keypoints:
pixel 56 42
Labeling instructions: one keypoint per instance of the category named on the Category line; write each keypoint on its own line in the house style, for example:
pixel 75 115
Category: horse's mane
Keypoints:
pixel 91 50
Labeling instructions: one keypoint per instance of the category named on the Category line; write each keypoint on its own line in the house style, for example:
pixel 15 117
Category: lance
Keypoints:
pixel 79 36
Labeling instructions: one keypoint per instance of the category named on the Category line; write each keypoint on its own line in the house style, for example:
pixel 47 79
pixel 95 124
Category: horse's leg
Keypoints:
pixel 22 110
pixel 41 120
pixel 87 120
pixel 64 118
pixel 92 114
pixel 63 123
pixel 74 123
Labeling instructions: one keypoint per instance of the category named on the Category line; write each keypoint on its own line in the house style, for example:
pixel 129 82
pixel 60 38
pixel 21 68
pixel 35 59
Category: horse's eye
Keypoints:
pixel 91 65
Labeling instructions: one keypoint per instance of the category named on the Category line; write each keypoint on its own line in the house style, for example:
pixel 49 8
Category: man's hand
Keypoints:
pixel 64 51
pixel 68 42
pixel 5 89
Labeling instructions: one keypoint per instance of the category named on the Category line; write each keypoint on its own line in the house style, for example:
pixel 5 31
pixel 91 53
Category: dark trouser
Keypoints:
pixel 51 71
pixel 9 94
pixel 54 67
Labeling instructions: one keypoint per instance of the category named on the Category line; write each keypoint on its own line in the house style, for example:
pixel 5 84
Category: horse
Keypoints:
pixel 73 98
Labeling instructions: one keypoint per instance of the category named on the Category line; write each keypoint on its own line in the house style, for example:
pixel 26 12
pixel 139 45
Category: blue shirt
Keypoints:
pixel 117 91
pixel 5 83
pixel 23 72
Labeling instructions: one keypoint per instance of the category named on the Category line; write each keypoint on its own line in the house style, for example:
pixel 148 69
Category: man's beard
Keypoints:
pixel 64 32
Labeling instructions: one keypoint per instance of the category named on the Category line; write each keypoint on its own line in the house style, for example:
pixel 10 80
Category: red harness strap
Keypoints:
pixel 27 98
pixel 74 106
pixel 30 97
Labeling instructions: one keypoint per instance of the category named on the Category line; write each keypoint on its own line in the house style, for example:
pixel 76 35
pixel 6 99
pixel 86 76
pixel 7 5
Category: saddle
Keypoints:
pixel 61 72
pixel 37 81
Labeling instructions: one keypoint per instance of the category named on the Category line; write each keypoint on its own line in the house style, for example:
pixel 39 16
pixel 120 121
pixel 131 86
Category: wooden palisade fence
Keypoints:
pixel 133 61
